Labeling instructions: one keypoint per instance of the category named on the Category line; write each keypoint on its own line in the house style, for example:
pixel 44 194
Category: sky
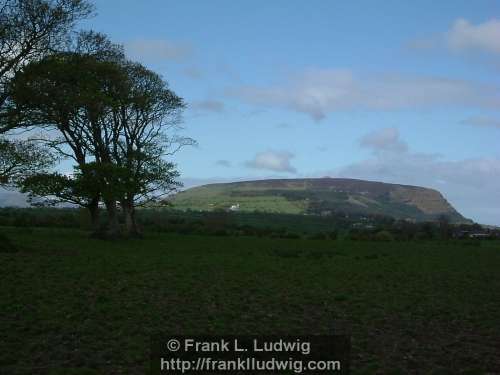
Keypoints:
pixel 393 91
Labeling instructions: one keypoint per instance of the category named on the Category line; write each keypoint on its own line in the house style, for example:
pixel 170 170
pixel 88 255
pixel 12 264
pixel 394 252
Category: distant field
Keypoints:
pixel 72 306
pixel 207 198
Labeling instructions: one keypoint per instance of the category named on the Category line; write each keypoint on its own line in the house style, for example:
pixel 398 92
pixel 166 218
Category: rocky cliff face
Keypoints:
pixel 427 200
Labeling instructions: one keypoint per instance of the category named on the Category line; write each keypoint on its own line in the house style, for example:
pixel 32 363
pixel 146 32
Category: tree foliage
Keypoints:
pixel 19 159
pixel 58 188
pixel 30 30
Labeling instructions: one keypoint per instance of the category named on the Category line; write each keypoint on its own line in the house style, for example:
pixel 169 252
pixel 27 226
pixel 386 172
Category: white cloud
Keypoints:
pixel 277 161
pixel 317 92
pixel 209 105
pixel 464 36
pixel 384 140
pixel 158 50
pixel 482 121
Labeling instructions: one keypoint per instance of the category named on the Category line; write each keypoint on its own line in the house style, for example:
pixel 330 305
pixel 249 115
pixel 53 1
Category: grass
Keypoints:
pixel 73 305
pixel 267 203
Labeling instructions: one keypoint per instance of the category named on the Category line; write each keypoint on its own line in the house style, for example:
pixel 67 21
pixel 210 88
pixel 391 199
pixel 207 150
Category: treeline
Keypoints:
pixel 251 224
pixel 171 221
pixel 82 100
pixel 421 231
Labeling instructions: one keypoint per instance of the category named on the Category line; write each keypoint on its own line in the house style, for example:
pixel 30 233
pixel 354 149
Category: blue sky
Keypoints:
pixel 403 92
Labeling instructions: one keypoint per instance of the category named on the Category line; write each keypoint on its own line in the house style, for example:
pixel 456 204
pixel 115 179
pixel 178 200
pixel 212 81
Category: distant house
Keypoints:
pixel 360 225
pixel 479 235
pixel 468 234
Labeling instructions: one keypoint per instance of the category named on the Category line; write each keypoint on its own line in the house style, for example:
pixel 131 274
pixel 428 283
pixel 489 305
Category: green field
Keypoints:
pixel 73 305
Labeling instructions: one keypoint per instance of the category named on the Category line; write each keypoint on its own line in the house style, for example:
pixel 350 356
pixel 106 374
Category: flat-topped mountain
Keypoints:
pixel 320 196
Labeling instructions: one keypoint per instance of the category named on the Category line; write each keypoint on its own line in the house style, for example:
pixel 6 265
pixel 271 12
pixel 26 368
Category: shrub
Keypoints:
pixel 333 235
pixel 360 235
pixel 383 235
pixel 221 232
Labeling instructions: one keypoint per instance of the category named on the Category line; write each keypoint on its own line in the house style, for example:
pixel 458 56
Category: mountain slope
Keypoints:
pixel 321 196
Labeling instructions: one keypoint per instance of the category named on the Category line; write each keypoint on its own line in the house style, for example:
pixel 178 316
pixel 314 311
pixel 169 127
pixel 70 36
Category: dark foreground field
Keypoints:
pixel 71 305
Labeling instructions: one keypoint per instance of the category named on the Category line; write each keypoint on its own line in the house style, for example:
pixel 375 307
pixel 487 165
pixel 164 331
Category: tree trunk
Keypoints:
pixel 94 215
pixel 130 222
pixel 113 227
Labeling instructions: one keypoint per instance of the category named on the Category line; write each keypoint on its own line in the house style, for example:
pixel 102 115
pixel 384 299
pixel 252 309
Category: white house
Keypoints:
pixel 235 207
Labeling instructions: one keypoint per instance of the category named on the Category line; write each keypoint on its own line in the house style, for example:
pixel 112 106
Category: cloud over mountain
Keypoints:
pixel 276 161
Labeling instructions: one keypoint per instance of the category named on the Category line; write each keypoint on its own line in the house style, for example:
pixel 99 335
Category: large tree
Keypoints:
pixel 130 143
pixel 71 93
pixel 116 119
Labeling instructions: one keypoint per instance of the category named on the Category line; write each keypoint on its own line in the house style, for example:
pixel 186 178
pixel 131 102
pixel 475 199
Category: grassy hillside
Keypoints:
pixel 76 306
pixel 321 196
